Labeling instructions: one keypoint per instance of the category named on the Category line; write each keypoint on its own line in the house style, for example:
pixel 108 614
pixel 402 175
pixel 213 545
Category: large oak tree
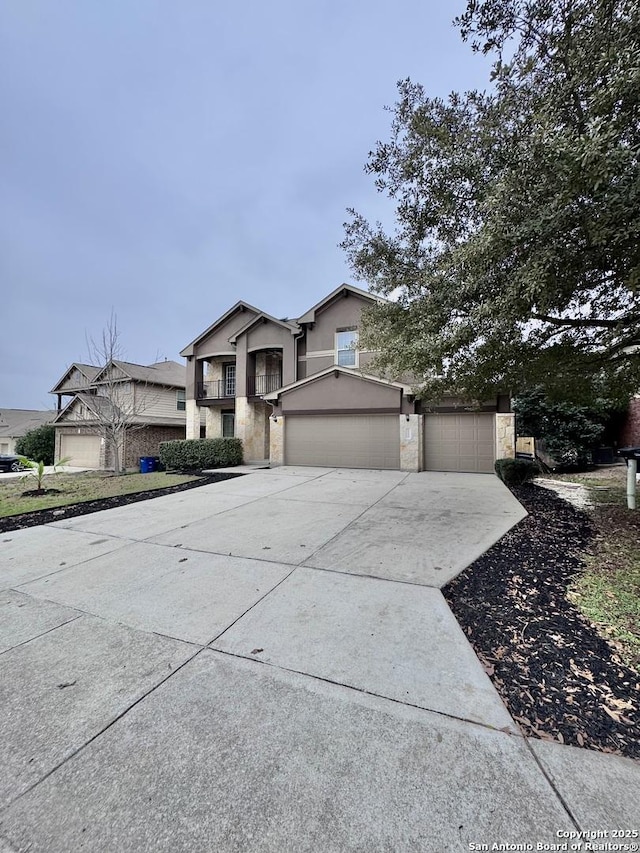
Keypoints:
pixel 515 260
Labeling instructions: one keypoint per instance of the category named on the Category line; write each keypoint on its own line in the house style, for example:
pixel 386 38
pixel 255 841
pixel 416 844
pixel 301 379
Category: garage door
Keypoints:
pixel 343 441
pixel 83 450
pixel 459 442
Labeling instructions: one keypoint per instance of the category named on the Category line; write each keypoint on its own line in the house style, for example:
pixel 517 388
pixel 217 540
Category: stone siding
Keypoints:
pixel 193 420
pixel 411 442
pixel 276 441
pixel 252 426
pixel 505 436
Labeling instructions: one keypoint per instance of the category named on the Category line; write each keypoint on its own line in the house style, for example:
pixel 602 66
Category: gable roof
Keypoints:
pixel 347 371
pixel 239 306
pixel 161 373
pixel 344 289
pixel 89 371
pixel 91 401
pixel 264 317
pixel 17 422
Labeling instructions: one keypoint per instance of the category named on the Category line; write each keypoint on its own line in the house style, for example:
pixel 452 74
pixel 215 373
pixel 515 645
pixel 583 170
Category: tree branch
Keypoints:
pixel 579 324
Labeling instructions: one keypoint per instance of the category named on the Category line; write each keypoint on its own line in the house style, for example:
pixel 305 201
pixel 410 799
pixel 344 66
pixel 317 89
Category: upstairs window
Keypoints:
pixel 347 348
pixel 181 400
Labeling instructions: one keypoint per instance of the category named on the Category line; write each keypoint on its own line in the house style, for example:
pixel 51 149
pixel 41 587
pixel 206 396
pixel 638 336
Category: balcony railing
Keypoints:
pixel 259 385
pixel 221 389
pixel 216 389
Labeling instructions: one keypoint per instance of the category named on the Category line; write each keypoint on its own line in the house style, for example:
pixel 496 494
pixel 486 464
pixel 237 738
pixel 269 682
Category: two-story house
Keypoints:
pixel 148 400
pixel 299 392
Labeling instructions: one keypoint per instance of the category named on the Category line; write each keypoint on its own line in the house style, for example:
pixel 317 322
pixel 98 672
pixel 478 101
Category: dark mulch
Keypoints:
pixel 558 678
pixel 44 516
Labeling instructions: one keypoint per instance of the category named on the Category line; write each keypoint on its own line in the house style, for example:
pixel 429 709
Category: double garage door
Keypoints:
pixel 83 450
pixel 343 441
pixel 452 442
pixel 460 442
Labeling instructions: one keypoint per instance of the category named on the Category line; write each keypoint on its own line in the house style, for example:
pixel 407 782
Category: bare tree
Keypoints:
pixel 116 401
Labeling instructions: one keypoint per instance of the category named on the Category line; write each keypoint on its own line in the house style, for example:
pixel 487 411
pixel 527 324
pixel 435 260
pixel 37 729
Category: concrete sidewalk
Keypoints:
pixel 268 664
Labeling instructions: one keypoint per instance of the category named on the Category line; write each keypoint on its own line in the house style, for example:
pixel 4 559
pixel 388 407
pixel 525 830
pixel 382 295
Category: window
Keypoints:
pixel 229 380
pixel 181 400
pixel 347 348
pixel 228 424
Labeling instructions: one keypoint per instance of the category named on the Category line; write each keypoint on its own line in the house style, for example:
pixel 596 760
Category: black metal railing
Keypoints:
pixel 259 385
pixel 216 389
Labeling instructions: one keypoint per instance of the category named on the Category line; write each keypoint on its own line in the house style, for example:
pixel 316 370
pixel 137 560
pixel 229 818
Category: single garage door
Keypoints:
pixel 343 441
pixel 459 443
pixel 83 450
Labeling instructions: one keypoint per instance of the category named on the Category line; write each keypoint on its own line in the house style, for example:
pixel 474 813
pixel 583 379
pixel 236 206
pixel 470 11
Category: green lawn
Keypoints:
pixel 76 488
pixel 607 592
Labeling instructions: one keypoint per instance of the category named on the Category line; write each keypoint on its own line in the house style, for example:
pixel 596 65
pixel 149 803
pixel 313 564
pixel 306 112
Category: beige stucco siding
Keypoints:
pixel 341 392
pixel 342 312
pixel 217 342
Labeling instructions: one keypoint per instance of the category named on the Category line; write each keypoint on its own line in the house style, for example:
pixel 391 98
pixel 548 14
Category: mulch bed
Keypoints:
pixel 44 516
pixel 558 678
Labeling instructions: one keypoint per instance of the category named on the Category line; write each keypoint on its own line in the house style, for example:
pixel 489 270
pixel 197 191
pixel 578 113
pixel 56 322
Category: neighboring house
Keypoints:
pixel 298 392
pixel 14 423
pixel 151 397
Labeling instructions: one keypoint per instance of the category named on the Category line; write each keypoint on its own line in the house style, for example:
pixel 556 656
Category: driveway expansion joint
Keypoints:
pixel 363 691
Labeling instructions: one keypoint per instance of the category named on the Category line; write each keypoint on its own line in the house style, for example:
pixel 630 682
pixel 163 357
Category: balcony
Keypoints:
pixel 224 389
pixel 217 389
pixel 259 385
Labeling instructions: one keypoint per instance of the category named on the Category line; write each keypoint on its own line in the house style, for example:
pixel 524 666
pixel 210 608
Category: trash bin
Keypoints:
pixel 147 464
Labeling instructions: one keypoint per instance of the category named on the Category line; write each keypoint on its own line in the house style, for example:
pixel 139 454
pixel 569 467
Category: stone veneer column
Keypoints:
pixel 505 436
pixel 276 441
pixel 213 422
pixel 410 442
pixel 193 419
pixel 250 427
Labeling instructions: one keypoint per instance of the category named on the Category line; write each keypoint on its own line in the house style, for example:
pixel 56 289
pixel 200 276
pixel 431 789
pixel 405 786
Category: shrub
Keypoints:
pixel 38 444
pixel 515 472
pixel 194 454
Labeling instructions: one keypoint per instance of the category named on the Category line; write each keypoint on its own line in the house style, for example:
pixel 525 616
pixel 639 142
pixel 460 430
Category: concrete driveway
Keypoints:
pixel 268 664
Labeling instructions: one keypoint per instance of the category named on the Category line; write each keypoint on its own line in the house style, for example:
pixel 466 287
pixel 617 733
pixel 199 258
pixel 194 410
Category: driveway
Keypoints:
pixel 268 664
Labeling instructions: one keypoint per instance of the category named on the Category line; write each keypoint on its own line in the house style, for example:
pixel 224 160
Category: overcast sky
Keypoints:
pixel 166 159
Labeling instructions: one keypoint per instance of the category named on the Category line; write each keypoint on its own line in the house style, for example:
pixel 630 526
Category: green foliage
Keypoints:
pixel 198 453
pixel 38 444
pixel 516 255
pixel 515 472
pixel 36 469
pixel 569 431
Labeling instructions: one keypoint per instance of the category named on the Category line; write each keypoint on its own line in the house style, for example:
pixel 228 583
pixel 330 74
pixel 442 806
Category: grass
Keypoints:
pixel 608 591
pixel 76 488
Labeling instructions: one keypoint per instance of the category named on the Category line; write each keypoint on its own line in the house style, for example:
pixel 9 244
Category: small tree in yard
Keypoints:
pixel 115 408
pixel 38 444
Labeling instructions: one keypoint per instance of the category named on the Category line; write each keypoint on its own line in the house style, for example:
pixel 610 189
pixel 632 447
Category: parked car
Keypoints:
pixel 10 463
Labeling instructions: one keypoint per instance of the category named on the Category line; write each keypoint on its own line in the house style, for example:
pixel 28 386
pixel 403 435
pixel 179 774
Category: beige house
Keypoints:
pixel 14 423
pixel 151 399
pixel 299 392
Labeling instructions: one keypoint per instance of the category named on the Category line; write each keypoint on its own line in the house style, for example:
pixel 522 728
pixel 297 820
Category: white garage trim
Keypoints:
pixel 460 442
pixel 342 441
pixel 83 450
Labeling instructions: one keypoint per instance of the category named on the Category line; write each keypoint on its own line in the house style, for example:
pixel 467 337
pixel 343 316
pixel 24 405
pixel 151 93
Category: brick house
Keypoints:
pixel 301 392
